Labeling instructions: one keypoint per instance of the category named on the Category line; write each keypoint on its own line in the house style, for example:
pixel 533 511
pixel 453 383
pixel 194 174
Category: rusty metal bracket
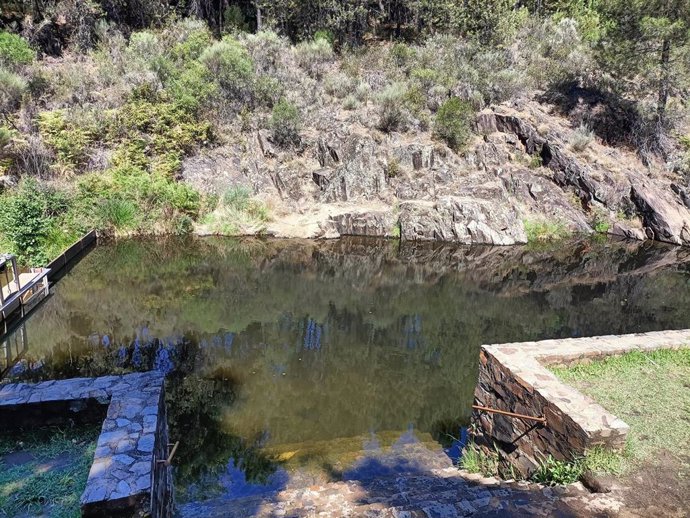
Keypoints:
pixel 540 419
pixel 168 461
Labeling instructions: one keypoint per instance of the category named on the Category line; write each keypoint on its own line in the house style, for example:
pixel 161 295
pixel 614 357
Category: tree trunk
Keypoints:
pixel 259 21
pixel 664 81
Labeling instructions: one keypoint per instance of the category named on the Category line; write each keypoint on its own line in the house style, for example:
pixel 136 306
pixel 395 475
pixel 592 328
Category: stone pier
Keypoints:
pixel 126 477
pixel 514 377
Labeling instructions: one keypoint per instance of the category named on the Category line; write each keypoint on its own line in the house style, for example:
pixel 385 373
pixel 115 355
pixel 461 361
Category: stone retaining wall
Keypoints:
pixel 125 478
pixel 513 377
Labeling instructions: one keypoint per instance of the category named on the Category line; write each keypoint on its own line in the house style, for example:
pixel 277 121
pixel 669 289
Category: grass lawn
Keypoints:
pixel 44 472
pixel 649 391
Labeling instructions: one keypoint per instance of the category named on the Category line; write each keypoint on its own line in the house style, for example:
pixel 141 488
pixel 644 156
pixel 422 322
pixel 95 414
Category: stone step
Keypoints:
pixel 443 493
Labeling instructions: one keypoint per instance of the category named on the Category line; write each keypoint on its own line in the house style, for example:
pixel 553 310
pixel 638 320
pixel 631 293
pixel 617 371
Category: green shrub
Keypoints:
pixel 393 168
pixel 285 124
pixel 541 230
pixel 401 54
pixel 453 123
pixel 581 138
pixel 156 134
pixel 192 88
pixel 14 50
pixel 391 113
pixel 12 88
pixel 267 91
pixel 187 39
pixel 5 137
pixel 426 77
pixel 129 198
pixel 324 34
pixel 338 85
pixel 231 66
pixel 312 55
pixel 25 220
pixel 265 48
pixel 144 47
pixel 69 141
pixel 553 53
pixel 557 472
pixel 363 91
pixel 350 103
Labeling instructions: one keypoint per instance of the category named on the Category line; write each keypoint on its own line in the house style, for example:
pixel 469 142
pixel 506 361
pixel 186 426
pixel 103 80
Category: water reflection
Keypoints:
pixel 331 359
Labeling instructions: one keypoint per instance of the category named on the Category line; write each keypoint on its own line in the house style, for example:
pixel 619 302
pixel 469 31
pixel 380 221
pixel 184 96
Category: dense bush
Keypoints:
pixel 391 113
pixel 265 48
pixel 313 55
pixel 14 50
pixel 453 123
pixel 230 65
pixel 25 220
pixel 285 124
pixel 12 87
pixel 69 141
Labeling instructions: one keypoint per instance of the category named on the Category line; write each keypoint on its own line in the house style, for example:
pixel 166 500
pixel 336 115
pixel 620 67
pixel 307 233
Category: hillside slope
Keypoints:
pixel 519 177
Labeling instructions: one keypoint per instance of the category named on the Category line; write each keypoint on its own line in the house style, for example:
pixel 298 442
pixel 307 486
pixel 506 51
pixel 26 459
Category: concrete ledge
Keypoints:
pixel 124 477
pixel 514 377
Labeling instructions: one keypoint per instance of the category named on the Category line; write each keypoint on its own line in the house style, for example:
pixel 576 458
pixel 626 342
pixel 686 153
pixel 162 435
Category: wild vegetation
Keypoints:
pixel 101 102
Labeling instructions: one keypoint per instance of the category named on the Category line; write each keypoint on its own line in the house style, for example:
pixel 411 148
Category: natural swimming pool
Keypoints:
pixel 291 357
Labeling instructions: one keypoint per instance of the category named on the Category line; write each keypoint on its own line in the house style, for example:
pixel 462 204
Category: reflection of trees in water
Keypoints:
pixel 195 399
pixel 341 336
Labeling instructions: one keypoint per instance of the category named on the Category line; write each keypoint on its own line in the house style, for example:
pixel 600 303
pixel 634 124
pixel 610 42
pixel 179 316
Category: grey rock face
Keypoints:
pixel 361 175
pixel 365 223
pixel 463 220
pixel 664 217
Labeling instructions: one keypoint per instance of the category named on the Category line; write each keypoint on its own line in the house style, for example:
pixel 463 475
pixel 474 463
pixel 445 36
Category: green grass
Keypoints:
pixel 540 230
pixel 236 213
pixel 30 489
pixel 476 460
pixel 649 391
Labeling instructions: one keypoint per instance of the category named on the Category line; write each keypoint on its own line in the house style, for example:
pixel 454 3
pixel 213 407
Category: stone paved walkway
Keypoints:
pixel 407 483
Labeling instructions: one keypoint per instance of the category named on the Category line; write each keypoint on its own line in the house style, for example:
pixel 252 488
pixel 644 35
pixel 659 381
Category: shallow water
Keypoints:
pixel 299 358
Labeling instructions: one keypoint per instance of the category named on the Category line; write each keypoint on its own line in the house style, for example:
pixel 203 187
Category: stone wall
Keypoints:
pixel 514 378
pixel 125 478
pixel 162 489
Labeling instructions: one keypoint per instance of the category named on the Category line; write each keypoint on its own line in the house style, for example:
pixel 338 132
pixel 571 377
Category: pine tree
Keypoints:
pixel 645 40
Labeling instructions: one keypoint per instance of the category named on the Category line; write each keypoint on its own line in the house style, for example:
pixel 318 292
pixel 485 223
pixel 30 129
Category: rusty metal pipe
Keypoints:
pixel 541 419
pixel 168 461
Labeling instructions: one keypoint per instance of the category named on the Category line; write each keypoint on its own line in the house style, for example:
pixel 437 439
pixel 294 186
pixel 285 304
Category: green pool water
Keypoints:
pixel 301 356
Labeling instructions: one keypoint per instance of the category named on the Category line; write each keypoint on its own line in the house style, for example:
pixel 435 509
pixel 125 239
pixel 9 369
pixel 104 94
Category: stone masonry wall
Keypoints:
pixel 125 478
pixel 514 378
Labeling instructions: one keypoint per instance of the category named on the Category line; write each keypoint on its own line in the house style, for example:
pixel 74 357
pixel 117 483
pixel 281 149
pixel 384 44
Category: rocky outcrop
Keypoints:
pixel 568 171
pixel 348 178
pixel 461 220
pixel 361 223
pixel 361 175
pixel 664 218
